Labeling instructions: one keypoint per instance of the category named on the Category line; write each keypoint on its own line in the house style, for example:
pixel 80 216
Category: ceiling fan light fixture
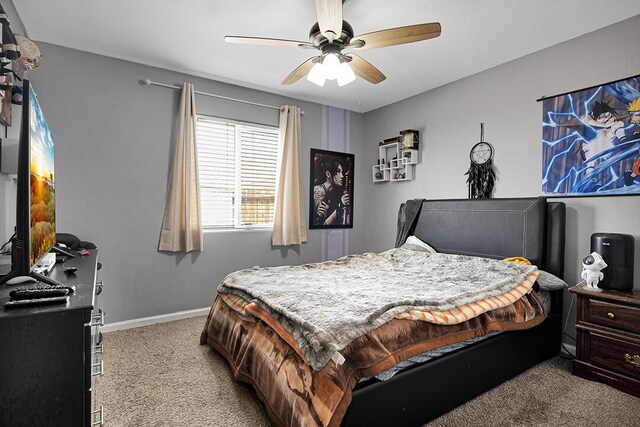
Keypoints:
pixel 345 74
pixel 316 75
pixel 330 66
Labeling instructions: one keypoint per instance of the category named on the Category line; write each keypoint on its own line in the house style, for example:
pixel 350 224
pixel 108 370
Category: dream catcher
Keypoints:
pixel 481 175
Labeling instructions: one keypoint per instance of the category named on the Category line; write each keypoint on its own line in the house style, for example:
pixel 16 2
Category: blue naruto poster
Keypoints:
pixel 591 141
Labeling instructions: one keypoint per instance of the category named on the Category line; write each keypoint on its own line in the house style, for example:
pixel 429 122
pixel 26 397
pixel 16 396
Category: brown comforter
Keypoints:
pixel 295 395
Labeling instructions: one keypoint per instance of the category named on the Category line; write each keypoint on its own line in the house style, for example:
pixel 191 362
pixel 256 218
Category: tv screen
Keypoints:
pixel 42 183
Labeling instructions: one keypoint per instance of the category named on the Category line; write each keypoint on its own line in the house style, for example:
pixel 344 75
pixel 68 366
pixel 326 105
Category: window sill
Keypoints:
pixel 241 230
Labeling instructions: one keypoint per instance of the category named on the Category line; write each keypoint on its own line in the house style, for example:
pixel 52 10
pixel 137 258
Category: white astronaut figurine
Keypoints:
pixel 591 266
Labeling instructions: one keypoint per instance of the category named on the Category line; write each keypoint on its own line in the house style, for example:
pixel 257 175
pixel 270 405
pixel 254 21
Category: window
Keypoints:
pixel 237 166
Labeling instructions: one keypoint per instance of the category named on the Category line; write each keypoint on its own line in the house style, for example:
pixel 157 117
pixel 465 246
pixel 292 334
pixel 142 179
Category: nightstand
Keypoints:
pixel 608 338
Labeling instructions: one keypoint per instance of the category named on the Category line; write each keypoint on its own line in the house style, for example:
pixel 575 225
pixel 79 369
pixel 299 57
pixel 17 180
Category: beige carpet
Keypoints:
pixel 160 376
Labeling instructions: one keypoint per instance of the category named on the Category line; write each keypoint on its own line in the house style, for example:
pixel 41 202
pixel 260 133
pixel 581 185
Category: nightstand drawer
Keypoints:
pixel 614 354
pixel 614 315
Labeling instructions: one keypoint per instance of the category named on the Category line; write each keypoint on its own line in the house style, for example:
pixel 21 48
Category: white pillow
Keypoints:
pixel 415 244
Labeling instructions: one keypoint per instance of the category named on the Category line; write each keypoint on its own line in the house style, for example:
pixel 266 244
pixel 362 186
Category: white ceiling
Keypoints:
pixel 187 36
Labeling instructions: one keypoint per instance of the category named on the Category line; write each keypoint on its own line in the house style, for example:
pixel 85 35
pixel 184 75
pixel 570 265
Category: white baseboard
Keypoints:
pixel 145 321
pixel 570 347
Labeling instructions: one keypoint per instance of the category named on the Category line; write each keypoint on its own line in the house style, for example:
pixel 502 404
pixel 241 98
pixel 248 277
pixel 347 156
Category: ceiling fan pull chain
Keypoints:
pixel 481 132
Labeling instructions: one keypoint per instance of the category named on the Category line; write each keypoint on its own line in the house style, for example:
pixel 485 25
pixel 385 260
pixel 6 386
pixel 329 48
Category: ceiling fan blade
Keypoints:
pixel 302 70
pixel 365 69
pixel 399 35
pixel 330 18
pixel 261 41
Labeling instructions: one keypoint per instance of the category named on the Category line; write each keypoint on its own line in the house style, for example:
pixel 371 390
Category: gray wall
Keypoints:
pixel 113 146
pixel 16 22
pixel 8 209
pixel 7 184
pixel 504 99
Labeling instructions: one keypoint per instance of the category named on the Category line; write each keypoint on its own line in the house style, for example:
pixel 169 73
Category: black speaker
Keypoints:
pixel 617 252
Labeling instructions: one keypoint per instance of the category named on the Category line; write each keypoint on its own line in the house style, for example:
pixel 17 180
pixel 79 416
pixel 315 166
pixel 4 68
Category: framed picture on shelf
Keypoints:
pixel 331 201
pixel 410 139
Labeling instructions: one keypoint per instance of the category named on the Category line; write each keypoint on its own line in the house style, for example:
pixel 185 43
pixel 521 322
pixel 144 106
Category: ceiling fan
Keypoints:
pixel 331 35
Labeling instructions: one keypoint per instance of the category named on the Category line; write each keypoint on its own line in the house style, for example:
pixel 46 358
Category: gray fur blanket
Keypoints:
pixel 324 306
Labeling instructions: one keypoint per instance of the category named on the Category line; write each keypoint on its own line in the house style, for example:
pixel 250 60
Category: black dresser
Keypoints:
pixel 50 354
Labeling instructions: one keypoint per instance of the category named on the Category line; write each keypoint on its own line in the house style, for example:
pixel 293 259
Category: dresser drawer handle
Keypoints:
pixel 98 319
pixel 99 287
pixel 98 348
pixel 100 366
pixel 634 360
pixel 611 315
pixel 99 421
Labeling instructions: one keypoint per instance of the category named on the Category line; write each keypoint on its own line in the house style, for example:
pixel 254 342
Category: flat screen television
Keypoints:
pixel 36 198
pixel 42 194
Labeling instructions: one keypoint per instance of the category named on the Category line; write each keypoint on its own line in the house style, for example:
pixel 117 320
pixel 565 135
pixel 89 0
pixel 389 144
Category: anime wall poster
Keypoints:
pixel 331 201
pixel 591 141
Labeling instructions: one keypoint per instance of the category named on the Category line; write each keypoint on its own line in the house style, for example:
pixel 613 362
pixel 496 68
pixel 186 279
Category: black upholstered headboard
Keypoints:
pixel 497 228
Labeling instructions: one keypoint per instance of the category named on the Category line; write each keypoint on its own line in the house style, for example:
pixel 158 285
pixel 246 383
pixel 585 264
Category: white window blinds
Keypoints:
pixel 258 164
pixel 237 168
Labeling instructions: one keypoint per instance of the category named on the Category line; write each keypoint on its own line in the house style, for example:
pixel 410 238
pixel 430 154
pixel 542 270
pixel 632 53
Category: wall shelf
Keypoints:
pixel 398 169
pixel 384 171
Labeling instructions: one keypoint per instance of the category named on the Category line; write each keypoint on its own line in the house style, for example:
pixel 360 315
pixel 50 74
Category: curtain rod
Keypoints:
pixel 212 95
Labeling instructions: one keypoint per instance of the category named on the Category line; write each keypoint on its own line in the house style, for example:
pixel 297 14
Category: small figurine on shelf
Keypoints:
pixel 379 175
pixel 591 266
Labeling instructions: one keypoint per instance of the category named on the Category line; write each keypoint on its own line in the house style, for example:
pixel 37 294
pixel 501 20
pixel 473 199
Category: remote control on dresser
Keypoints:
pixel 38 293
pixel 40 286
pixel 39 301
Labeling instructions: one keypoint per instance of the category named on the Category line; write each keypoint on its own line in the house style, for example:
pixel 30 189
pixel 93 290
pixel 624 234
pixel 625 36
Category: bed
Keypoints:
pixel 499 228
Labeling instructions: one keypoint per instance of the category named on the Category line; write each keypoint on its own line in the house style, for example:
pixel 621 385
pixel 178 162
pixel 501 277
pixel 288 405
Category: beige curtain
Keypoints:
pixel 181 228
pixel 289 225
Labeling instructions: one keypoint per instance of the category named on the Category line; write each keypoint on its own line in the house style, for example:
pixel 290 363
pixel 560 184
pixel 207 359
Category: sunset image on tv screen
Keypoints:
pixel 43 194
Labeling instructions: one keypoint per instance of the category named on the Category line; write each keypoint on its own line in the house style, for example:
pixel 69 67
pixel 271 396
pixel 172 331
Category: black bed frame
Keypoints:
pixel 495 228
